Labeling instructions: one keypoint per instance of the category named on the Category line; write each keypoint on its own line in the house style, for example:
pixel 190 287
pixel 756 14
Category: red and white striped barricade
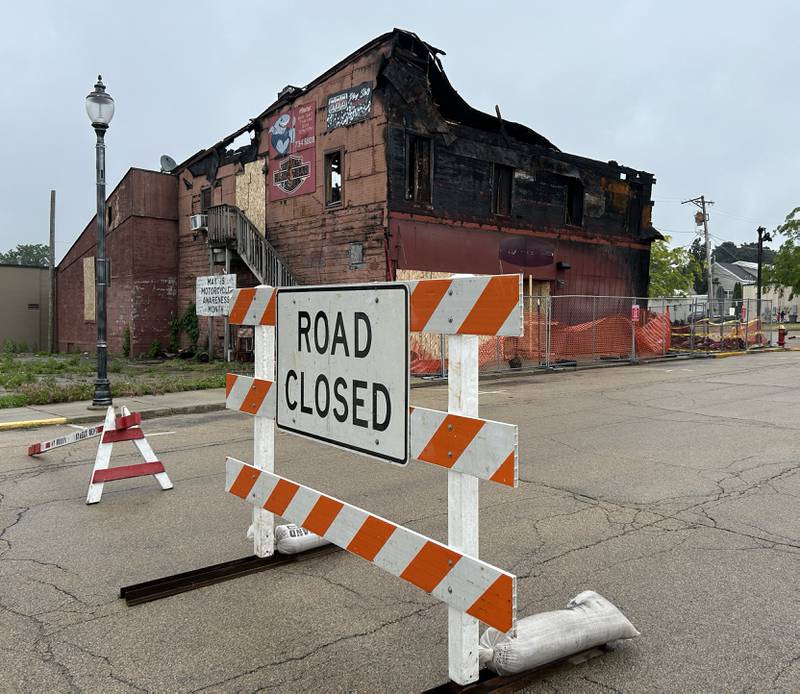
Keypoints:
pixel 74 437
pixel 123 428
pixel 468 447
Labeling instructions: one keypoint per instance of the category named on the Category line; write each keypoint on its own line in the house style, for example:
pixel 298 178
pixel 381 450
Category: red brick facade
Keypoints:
pixel 141 242
pixel 586 222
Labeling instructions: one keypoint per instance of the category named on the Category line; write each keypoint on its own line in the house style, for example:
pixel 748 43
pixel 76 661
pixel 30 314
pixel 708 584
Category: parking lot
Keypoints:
pixel 671 489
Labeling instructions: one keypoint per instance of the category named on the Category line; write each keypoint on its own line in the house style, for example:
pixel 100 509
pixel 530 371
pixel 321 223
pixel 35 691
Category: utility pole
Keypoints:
pixel 51 301
pixel 763 235
pixel 701 202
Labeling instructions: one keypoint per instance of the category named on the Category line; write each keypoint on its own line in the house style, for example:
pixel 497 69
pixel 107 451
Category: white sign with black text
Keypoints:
pixel 213 294
pixel 342 367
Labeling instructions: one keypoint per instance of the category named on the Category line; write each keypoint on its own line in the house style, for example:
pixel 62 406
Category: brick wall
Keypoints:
pixel 315 241
pixel 141 243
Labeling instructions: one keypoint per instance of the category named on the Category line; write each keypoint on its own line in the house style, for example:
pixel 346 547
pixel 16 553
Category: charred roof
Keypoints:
pixel 410 47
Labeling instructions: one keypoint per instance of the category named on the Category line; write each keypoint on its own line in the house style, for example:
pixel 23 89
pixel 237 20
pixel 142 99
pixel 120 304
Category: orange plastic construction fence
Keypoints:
pixel 606 337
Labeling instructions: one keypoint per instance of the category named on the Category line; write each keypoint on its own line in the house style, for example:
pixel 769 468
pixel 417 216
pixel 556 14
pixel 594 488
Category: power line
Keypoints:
pixel 701 202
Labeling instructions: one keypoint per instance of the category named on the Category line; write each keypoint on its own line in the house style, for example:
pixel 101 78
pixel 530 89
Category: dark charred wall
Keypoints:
pixel 141 243
pixel 592 218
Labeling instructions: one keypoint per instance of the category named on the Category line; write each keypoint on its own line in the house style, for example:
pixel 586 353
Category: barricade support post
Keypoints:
pixel 462 506
pixel 264 439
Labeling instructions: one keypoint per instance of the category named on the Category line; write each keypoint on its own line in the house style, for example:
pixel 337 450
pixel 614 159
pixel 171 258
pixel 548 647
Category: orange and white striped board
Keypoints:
pixel 255 396
pixel 463 582
pixel 480 305
pixel 252 306
pixel 479 447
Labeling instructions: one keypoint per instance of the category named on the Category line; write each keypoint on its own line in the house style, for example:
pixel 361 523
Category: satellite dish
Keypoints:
pixel 167 163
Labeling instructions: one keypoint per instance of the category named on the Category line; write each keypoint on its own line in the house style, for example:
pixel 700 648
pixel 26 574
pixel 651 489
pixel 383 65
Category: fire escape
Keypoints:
pixel 228 227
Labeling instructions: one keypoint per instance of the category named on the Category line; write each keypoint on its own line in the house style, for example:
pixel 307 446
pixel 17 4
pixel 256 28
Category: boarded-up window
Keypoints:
pixel 357 258
pixel 419 168
pixel 205 200
pixel 502 178
pixel 88 289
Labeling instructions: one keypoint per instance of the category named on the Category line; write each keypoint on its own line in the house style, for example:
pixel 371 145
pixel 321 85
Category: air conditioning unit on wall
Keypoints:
pixel 198 222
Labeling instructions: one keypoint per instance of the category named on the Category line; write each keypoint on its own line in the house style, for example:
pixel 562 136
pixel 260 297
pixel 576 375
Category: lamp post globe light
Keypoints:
pixel 100 109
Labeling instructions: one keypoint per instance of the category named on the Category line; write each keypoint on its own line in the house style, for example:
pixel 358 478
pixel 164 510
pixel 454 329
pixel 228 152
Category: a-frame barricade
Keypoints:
pixel 116 429
pixel 467 447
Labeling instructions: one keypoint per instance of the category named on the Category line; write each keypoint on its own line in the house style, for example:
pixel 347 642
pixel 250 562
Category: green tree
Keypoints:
pixel 784 272
pixel 32 254
pixel 729 252
pixel 671 269
pixel 697 251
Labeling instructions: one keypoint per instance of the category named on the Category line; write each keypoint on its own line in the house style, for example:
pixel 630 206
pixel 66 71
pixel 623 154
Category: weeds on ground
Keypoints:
pixel 47 390
pixel 68 378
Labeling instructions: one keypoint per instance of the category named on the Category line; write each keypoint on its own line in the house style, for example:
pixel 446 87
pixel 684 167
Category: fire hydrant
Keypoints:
pixel 781 336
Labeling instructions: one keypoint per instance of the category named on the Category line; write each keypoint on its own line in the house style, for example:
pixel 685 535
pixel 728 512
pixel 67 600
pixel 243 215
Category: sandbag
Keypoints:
pixel 589 620
pixel 291 539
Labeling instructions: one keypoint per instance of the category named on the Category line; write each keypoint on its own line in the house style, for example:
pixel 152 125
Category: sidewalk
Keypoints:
pixel 79 413
pixel 192 401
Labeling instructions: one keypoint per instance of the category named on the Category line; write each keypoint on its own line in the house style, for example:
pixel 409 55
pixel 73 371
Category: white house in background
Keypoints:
pixel 726 275
pixel 776 304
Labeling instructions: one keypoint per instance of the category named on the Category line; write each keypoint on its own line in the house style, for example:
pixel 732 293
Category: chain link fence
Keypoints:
pixel 565 331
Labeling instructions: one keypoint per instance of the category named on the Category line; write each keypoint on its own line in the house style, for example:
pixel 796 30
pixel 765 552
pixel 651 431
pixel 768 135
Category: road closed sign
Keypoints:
pixel 342 367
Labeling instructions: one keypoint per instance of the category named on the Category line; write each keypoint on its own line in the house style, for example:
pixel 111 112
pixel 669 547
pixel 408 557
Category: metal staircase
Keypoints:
pixel 229 227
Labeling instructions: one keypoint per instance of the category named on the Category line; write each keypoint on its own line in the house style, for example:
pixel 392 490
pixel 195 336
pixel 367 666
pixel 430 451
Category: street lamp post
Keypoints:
pixel 100 108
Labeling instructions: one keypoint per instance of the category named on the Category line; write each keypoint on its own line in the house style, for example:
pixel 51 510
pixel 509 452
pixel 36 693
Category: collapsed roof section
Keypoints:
pixel 451 106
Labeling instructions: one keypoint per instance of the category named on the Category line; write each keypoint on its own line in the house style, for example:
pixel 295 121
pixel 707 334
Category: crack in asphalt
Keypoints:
pixel 314 651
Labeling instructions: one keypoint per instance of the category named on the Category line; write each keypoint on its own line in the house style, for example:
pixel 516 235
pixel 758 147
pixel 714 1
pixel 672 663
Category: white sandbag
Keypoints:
pixel 291 539
pixel 589 620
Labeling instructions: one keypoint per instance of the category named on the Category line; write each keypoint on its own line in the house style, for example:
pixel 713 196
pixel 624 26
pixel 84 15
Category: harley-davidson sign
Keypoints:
pixel 291 173
pixel 292 150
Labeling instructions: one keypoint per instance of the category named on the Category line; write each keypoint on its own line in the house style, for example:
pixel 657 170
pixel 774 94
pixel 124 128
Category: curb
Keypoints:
pixel 522 375
pixel 31 423
pixel 93 418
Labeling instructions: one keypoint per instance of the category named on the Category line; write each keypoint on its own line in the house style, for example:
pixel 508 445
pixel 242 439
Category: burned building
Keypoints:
pixel 378 169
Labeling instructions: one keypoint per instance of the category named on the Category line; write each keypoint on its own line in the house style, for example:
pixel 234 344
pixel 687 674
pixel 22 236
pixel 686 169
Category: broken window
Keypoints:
pixel 502 179
pixel 574 203
pixel 205 200
pixel 333 178
pixel 419 168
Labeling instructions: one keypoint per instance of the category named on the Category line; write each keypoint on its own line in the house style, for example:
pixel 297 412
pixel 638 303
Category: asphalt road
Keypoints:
pixel 670 489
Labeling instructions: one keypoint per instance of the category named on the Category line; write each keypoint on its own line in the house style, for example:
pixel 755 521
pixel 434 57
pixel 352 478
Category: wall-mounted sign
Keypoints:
pixel 349 106
pixel 213 294
pixel 292 140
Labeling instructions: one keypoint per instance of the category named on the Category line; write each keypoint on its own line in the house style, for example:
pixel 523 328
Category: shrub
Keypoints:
pixel 126 343
pixel 174 335
pixel 154 350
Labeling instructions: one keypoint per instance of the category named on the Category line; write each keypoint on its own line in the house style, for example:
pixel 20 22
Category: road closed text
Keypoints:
pixel 343 367
pixel 346 398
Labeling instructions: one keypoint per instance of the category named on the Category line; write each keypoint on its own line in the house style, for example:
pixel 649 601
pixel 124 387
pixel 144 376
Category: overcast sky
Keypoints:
pixel 702 94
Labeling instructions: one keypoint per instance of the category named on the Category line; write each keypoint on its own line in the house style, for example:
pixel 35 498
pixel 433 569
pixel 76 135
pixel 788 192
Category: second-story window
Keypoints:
pixel 419 168
pixel 574 203
pixel 333 178
pixel 502 181
pixel 205 200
